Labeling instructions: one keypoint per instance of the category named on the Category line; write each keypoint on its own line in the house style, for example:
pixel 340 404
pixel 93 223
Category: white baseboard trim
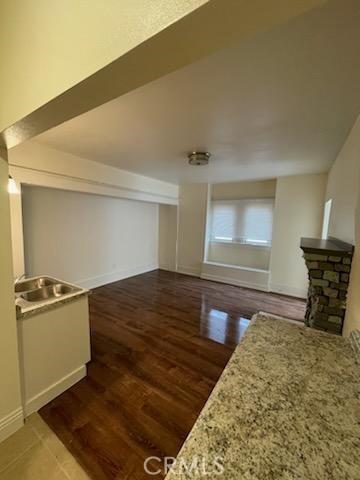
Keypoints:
pixel 233 281
pixel 34 404
pixel 11 423
pixel 194 272
pixel 101 280
pixel 291 291
pixel 168 268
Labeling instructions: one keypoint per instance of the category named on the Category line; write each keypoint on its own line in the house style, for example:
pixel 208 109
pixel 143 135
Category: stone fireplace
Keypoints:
pixel 329 265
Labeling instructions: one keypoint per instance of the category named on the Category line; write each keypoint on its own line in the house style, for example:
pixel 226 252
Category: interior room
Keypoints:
pixel 179 250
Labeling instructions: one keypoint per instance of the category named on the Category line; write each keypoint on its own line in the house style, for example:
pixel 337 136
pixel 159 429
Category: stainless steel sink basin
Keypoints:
pixel 48 292
pixel 33 284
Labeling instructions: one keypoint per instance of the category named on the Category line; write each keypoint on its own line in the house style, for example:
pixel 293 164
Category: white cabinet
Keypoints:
pixel 54 349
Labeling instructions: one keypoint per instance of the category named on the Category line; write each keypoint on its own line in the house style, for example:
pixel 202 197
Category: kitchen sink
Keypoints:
pixel 48 292
pixel 34 284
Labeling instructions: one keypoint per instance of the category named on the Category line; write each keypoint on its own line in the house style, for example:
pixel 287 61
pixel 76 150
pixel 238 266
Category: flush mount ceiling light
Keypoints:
pixel 12 187
pixel 199 158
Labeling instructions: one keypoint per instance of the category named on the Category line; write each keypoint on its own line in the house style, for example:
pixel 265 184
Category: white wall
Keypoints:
pixel 343 187
pixel 10 400
pixel 192 220
pixel 299 207
pixel 168 237
pixel 88 239
pixel 352 318
pixel 344 190
pixel 242 255
pixel 249 189
pixel 233 275
pixel 35 164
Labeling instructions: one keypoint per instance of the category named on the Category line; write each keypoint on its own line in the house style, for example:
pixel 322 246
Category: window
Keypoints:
pixel 326 221
pixel 247 221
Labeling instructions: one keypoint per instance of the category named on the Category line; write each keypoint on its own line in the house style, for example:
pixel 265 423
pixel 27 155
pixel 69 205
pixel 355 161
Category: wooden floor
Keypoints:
pixel 159 344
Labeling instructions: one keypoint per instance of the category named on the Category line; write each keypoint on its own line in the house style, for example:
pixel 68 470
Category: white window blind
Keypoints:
pixel 246 221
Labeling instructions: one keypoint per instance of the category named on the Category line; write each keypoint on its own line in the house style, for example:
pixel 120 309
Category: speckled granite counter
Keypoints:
pixel 287 406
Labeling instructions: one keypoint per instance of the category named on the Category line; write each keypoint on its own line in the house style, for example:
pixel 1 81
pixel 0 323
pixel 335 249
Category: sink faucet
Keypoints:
pixel 17 279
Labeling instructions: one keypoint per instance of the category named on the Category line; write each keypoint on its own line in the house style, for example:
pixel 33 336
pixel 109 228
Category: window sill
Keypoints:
pixel 220 242
pixel 235 267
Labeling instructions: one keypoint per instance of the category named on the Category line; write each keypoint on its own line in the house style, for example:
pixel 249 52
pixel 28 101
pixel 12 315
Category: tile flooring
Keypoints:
pixel 35 453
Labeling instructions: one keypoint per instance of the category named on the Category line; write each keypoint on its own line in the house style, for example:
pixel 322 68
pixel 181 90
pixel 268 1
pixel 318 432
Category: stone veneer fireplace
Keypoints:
pixel 329 265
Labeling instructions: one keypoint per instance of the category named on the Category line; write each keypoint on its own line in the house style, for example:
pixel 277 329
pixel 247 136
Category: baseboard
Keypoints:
pixel 11 423
pixel 291 291
pixel 34 404
pixel 168 268
pixel 101 280
pixel 194 272
pixel 235 282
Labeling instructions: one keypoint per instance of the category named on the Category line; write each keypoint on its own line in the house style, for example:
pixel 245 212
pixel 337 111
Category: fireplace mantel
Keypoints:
pixel 329 264
pixel 330 245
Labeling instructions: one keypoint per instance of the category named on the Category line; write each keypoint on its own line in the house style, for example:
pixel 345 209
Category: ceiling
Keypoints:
pixel 280 104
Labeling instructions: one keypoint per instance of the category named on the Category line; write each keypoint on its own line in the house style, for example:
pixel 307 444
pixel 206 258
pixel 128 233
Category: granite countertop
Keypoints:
pixel 287 406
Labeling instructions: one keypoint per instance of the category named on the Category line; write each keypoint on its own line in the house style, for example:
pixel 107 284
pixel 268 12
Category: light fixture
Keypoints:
pixel 12 187
pixel 199 158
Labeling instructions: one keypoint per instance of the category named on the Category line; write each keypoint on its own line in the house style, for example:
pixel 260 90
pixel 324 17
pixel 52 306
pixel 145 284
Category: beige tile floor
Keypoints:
pixel 35 453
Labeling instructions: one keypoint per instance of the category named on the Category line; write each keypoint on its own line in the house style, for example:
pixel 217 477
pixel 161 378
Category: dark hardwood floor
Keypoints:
pixel 159 344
